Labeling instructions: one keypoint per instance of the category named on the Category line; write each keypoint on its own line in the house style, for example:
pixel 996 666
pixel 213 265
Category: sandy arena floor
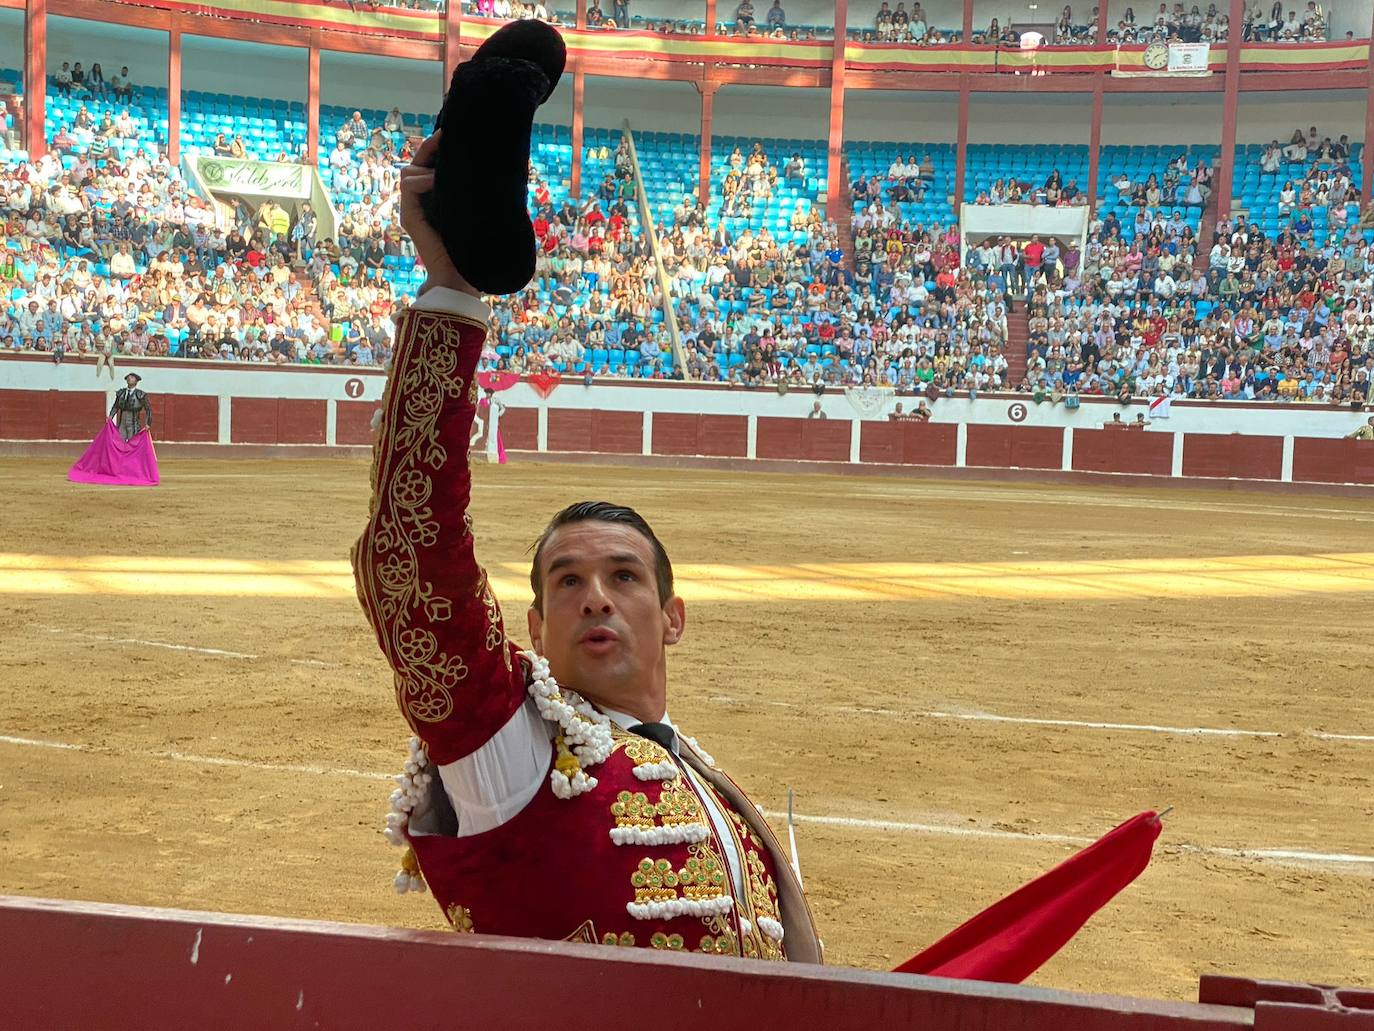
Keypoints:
pixel 194 713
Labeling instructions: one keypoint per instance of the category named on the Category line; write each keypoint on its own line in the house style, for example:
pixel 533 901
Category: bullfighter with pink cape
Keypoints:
pixel 495 448
pixel 122 453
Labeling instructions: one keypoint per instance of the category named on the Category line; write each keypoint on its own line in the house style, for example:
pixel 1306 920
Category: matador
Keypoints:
pixel 548 794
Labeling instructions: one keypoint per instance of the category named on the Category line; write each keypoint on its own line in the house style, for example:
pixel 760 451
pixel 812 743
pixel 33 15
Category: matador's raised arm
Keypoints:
pixel 458 680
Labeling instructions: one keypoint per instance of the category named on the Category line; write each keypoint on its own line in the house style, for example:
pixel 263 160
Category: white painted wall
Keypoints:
pixel 11 38
pixel 245 69
pixel 143 50
pixel 1029 118
pixel 649 105
pixel 1180 117
pixel 362 80
pixel 901 116
pixel 781 112
pixel 329 384
pixel 1264 116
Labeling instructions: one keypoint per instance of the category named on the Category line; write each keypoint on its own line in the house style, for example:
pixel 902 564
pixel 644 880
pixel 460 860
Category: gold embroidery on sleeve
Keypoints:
pixel 496 631
pixel 403 520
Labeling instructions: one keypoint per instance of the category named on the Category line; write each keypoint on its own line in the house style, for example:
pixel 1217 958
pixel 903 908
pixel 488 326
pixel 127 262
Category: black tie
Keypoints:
pixel 660 732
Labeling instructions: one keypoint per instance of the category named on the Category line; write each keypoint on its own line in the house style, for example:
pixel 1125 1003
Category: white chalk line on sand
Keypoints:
pixel 1287 856
pixel 219 653
pixel 1036 721
pixel 986 717
pixel 897 826
pixel 197 760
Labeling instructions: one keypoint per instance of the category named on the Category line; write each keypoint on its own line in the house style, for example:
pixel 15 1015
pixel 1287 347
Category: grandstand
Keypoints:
pixel 1093 295
pixel 784 206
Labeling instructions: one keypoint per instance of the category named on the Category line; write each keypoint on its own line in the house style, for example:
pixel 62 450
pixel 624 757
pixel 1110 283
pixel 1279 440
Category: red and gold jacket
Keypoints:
pixel 618 848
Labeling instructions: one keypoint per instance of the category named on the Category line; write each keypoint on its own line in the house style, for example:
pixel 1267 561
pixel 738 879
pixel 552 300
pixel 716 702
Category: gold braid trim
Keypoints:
pixel 408 453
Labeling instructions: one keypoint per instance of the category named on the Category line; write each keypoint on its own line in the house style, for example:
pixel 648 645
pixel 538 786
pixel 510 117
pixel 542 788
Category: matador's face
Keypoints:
pixel 602 626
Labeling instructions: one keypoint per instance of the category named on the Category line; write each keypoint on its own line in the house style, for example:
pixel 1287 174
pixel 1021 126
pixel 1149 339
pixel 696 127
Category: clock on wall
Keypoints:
pixel 1157 56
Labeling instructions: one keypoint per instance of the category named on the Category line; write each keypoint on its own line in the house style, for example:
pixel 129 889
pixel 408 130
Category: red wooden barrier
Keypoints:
pixel 602 432
pixel 51 414
pixel 24 414
pixel 778 438
pixel 908 443
pixel 1280 1005
pixel 807 440
pixel 881 442
pixel 273 420
pixel 520 429
pixel 618 433
pixel 1323 460
pixel 190 418
pixel 717 436
pixel 97 967
pixel 1019 447
pixel 301 421
pixel 353 421
pixel 1123 451
pixel 76 415
pixel 1237 455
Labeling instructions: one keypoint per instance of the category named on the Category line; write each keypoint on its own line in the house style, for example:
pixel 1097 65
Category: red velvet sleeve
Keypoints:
pixel 458 680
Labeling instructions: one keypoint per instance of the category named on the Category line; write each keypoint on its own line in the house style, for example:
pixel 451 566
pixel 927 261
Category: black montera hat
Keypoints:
pixel 135 376
pixel 479 202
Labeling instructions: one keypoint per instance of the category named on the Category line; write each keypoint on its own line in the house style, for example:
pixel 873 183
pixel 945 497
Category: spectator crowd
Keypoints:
pixel 106 248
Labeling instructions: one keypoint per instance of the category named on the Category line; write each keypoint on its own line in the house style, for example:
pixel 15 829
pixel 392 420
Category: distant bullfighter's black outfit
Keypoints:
pixel 128 403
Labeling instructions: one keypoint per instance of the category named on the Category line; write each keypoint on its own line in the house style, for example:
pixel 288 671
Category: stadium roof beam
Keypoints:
pixel 35 75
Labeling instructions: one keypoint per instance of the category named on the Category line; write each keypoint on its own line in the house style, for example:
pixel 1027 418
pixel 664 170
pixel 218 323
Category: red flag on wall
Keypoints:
pixel 543 382
pixel 1010 940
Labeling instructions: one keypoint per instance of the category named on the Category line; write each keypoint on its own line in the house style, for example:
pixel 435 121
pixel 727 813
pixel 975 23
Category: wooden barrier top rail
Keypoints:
pixel 94 966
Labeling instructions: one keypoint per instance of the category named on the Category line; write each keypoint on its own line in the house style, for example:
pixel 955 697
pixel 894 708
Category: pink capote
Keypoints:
pixel 111 460
pixel 499 452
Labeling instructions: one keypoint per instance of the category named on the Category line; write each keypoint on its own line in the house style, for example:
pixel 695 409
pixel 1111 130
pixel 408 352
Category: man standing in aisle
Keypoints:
pixel 549 794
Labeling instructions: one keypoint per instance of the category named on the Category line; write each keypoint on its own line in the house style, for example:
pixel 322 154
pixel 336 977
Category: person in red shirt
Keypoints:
pixel 1033 254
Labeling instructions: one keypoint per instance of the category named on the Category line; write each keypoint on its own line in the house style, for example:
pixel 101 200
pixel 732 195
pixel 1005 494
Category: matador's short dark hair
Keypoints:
pixel 605 512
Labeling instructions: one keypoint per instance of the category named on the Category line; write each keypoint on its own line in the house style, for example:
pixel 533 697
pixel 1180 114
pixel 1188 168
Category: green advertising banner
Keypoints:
pixel 263 178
